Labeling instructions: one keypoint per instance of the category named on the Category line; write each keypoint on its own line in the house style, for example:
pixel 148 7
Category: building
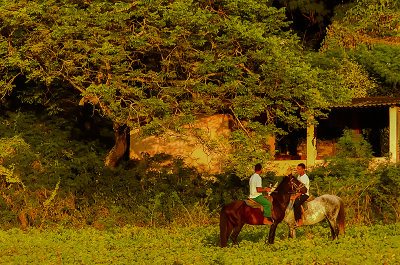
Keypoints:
pixel 376 117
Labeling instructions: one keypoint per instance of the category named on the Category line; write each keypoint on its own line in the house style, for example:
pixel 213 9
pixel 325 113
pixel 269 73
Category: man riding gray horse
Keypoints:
pixel 326 206
pixel 301 198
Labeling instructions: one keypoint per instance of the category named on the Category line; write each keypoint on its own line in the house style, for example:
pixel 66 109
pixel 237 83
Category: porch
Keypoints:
pixel 376 117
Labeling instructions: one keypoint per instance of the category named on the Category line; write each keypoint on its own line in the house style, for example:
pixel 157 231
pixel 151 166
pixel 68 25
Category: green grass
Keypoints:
pixel 379 244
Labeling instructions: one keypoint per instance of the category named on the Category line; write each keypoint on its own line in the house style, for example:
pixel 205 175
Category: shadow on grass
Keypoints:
pixel 259 234
pixel 253 234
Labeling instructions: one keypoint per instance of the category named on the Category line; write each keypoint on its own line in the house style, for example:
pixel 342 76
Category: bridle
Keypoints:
pixel 296 186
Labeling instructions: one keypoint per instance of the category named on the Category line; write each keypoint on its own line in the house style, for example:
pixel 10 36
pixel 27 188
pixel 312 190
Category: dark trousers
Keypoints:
pixel 297 206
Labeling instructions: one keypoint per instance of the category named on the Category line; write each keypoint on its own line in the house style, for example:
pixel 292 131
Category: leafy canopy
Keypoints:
pixel 368 33
pixel 156 65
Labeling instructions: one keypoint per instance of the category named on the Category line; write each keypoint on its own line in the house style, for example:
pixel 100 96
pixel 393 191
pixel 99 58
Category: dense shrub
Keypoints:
pixel 370 194
pixel 52 173
pixel 56 174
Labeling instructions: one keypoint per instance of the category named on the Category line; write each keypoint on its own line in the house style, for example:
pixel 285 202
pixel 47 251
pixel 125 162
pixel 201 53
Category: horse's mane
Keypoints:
pixel 282 183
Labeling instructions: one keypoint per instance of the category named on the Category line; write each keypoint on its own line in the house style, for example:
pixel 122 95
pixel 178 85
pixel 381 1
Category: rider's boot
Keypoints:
pixel 299 223
pixel 268 221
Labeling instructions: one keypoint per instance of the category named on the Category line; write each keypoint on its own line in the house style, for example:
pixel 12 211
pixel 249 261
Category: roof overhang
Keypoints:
pixel 370 102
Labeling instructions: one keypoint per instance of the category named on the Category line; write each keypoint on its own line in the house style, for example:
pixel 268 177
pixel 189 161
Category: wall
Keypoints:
pixel 197 146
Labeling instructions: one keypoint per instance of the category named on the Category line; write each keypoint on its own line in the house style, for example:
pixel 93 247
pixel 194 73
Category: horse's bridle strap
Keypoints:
pixel 298 187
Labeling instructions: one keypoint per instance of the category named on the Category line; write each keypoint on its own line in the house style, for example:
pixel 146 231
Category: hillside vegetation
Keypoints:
pixel 77 76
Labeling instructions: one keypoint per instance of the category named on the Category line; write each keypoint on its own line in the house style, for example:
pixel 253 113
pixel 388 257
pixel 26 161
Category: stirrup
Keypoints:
pixel 299 223
pixel 268 221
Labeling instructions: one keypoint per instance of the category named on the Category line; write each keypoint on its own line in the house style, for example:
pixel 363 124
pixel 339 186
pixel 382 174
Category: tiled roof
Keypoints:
pixel 370 102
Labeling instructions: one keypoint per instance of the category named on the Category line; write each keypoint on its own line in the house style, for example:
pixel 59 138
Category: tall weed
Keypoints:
pixel 370 195
pixel 52 174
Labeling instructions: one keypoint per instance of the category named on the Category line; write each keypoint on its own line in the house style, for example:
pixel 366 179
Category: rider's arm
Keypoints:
pixel 259 189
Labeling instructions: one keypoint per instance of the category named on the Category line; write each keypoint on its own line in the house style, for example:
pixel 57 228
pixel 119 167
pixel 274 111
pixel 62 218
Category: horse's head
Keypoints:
pixel 291 184
pixel 295 186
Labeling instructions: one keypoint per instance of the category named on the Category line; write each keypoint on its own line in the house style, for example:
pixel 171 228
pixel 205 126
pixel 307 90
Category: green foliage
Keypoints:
pixel 352 145
pixel 382 62
pixel 45 163
pixel 375 18
pixel 370 191
pixel 377 244
pixel 341 68
pixel 365 22
pixel 66 182
pixel 155 65
pixel 11 166
pixel 248 151
pixel 49 151
pixel 369 31
pixel 385 194
pixel 160 190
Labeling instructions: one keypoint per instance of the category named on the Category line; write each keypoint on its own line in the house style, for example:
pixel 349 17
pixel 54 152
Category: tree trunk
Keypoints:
pixel 120 147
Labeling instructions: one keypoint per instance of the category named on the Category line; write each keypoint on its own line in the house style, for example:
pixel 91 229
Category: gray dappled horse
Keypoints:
pixel 326 206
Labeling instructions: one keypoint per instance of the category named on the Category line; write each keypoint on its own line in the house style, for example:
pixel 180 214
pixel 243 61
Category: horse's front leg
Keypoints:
pixel 271 236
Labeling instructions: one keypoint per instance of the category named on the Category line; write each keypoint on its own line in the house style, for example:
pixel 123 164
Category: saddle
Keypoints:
pixel 253 204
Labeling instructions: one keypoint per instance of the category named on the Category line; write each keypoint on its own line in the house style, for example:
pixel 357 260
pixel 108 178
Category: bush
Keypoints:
pixel 51 173
pixel 370 194
pixel 56 175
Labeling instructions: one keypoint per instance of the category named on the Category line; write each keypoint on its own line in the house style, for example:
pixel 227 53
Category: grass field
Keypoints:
pixel 379 244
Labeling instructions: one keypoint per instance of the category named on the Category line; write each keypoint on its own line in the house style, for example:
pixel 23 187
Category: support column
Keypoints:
pixel 311 145
pixel 394 134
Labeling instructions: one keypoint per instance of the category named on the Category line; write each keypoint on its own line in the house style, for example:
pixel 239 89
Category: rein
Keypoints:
pixel 297 187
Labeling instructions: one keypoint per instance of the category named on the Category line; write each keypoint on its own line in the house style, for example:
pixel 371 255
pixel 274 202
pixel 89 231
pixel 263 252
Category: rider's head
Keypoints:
pixel 258 168
pixel 301 169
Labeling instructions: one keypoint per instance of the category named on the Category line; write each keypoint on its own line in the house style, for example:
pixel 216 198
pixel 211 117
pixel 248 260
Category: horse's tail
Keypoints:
pixel 341 217
pixel 223 227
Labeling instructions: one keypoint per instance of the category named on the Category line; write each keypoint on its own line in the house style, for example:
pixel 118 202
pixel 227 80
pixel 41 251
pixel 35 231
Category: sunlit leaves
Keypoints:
pixel 148 64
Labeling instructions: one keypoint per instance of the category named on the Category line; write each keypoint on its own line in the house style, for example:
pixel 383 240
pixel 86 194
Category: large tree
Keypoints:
pixel 156 65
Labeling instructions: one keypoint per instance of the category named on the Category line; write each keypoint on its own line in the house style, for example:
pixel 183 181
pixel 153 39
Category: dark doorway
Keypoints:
pixel 371 122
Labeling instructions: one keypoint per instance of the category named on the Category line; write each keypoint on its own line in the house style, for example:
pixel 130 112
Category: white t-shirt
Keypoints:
pixel 255 181
pixel 306 181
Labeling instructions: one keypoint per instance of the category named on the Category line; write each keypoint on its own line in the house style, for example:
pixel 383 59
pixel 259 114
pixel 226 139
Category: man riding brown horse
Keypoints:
pixel 237 213
pixel 257 196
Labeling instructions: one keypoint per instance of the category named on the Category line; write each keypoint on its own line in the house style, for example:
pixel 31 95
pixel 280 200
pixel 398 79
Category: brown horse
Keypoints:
pixel 235 214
